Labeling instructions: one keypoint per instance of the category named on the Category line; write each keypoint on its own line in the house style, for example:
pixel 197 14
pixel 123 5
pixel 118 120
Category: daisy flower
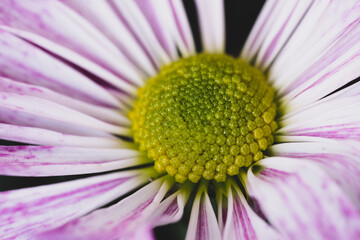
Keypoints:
pixel 261 146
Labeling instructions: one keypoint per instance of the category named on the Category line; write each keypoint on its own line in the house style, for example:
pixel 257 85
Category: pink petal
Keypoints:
pixel 115 29
pixel 171 209
pixel 141 27
pixel 275 29
pixel 330 118
pixel 24 62
pixel 120 220
pixel 40 136
pixel 212 25
pixel 35 112
pixel 202 224
pixel 322 55
pixel 302 202
pixel 241 221
pixel 339 159
pixel 53 161
pixel 103 113
pixel 59 23
pixel 27 212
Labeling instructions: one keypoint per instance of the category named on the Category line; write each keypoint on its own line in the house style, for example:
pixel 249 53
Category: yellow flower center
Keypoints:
pixel 204 116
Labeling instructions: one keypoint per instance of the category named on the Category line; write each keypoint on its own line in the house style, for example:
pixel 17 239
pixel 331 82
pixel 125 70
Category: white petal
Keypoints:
pixel 301 201
pixel 31 111
pixel 111 115
pixel 277 29
pixel 202 224
pixel 212 25
pixel 241 221
pixel 172 208
pixel 30 211
pixel 120 220
pixel 115 29
pixel 24 62
pixel 46 137
pixel 53 161
pixel 339 159
pixel 322 55
pixel 59 23
pixel 334 118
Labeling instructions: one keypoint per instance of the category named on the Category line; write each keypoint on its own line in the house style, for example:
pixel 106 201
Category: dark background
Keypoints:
pixel 240 16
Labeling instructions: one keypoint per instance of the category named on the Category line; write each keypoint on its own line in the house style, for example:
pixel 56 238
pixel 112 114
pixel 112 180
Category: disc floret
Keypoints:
pixel 204 116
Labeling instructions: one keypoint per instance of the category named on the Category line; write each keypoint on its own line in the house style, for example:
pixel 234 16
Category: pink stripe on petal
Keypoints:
pixel 94 11
pixel 212 25
pixel 103 113
pixel 30 111
pixel 30 211
pixel 40 136
pixel 53 161
pixel 202 224
pixel 24 62
pixel 339 159
pixel 241 221
pixel 59 23
pixel 302 202
pixel 119 221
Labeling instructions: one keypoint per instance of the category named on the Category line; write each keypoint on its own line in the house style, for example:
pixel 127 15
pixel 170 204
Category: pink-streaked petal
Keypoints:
pixel 333 118
pixel 141 27
pixel 59 23
pixel 212 25
pixel 155 16
pixel 30 211
pixel 103 113
pixel 170 25
pixel 202 224
pixel 22 61
pixel 40 136
pixel 31 111
pixel 54 161
pixel 118 221
pixel 171 209
pixel 339 159
pixel 301 201
pixel 322 55
pixel 241 221
pixel 279 28
pixel 75 59
pixel 115 29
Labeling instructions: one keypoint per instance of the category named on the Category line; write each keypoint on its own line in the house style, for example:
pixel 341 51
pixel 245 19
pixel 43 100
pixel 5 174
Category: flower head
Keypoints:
pixel 264 146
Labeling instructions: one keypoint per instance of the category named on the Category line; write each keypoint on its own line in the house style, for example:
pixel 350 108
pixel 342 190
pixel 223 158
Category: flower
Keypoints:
pixel 68 80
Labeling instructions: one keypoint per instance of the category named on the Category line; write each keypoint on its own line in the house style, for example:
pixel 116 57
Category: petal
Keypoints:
pixel 172 208
pixel 212 25
pixel 140 26
pixel 94 11
pixel 322 54
pixel 202 224
pixel 331 118
pixel 30 211
pixel 35 112
pixel 54 161
pixel 59 23
pixel 99 112
pixel 241 221
pixel 120 220
pixel 339 159
pixel 273 30
pixel 21 61
pixel 301 201
pixel 170 25
pixel 40 136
